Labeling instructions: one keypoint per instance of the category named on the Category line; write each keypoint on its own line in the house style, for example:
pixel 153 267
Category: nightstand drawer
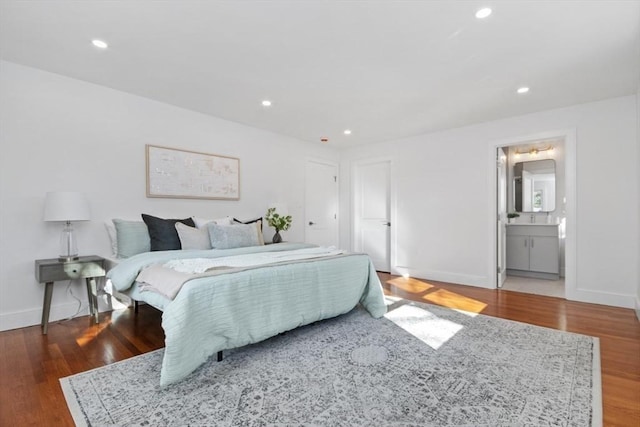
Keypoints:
pixel 71 270
pixel 85 267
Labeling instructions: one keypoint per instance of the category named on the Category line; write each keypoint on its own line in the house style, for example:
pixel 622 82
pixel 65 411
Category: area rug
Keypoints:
pixel 421 365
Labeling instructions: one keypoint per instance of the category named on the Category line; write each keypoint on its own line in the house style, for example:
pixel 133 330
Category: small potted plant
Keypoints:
pixel 512 216
pixel 279 222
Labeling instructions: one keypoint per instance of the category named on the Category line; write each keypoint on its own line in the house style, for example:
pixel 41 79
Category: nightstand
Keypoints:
pixel 85 267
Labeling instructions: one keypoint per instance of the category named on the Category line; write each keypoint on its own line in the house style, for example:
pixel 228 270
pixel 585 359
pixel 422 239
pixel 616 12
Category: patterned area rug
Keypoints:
pixel 420 365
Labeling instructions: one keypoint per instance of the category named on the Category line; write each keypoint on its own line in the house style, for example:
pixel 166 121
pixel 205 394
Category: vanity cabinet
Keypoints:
pixel 533 250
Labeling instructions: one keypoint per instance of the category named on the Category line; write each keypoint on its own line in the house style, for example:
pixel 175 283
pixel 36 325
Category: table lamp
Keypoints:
pixel 67 206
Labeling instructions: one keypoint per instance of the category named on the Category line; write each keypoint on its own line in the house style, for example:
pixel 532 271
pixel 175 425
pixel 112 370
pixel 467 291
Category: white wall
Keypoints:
pixel 443 185
pixel 58 133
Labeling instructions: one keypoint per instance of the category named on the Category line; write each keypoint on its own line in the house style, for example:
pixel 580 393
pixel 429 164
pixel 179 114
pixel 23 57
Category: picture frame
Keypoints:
pixel 184 174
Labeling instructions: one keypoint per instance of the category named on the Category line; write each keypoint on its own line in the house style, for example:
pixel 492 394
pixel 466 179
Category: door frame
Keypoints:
pixel 569 136
pixel 337 195
pixel 501 238
pixel 392 206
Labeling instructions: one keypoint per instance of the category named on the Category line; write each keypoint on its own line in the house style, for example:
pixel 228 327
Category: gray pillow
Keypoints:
pixel 132 237
pixel 193 238
pixel 233 236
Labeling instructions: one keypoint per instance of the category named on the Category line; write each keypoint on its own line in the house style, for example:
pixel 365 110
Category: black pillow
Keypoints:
pixel 250 221
pixel 162 232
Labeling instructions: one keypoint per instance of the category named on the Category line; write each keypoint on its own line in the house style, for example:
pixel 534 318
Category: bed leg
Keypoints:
pixel 135 306
pixel 220 356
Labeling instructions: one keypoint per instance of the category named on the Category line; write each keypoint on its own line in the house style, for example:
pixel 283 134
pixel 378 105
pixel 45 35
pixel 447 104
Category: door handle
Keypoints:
pixel 311 222
pixel 388 224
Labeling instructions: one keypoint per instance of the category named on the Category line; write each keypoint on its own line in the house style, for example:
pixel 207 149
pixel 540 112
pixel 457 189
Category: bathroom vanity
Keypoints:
pixel 533 250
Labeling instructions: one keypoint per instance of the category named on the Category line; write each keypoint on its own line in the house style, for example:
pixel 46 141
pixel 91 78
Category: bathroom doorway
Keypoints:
pixel 531 231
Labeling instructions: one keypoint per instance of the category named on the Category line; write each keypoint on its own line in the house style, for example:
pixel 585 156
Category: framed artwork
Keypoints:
pixel 183 174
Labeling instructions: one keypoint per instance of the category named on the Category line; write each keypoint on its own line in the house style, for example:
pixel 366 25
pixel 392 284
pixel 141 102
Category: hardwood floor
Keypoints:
pixel 32 363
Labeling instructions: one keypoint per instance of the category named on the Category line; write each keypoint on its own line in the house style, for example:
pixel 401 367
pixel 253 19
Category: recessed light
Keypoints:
pixel 347 131
pixel 266 103
pixel 523 89
pixel 100 44
pixel 483 13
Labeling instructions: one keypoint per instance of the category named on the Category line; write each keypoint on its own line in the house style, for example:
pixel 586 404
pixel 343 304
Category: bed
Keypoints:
pixel 232 307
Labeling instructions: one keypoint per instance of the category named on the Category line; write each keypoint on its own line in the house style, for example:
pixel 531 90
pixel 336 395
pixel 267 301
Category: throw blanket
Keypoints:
pixel 167 279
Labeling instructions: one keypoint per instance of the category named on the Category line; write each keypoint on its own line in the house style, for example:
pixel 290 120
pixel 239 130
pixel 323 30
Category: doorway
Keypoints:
pixel 372 212
pixel 532 245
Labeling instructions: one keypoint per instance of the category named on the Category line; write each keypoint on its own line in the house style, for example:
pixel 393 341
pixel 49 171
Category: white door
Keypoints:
pixel 502 216
pixel 372 228
pixel 321 204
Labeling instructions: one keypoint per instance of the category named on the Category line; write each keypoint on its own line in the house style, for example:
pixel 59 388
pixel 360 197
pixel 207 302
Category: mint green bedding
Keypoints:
pixel 221 312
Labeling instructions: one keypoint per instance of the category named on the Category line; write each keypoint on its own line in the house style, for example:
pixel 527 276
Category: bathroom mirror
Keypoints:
pixel 534 186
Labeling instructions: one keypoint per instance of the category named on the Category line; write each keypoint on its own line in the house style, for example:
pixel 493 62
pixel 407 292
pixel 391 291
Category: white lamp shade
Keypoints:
pixel 66 206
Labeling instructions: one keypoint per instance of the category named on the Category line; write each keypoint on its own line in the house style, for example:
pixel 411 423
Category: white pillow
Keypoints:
pixel 201 222
pixel 111 231
pixel 193 238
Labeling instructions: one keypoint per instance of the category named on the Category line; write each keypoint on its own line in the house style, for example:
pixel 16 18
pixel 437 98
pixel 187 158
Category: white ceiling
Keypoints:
pixel 385 69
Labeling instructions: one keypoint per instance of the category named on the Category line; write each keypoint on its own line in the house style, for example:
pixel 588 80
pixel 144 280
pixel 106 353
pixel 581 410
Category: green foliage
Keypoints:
pixel 513 215
pixel 277 221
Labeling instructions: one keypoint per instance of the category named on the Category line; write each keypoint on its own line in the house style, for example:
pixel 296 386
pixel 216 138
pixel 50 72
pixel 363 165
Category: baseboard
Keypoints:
pixel 602 298
pixel 638 308
pixel 533 274
pixel 33 317
pixel 444 276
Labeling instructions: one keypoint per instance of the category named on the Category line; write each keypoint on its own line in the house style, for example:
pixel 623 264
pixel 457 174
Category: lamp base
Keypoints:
pixel 68 246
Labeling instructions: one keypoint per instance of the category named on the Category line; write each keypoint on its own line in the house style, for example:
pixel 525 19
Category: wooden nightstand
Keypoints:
pixel 52 270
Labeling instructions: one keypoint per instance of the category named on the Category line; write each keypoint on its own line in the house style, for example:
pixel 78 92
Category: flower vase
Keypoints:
pixel 277 238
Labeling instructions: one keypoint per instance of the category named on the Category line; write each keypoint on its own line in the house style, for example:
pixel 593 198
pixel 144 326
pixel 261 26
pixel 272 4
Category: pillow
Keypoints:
pixel 132 238
pixel 162 232
pixel 249 222
pixel 258 225
pixel 113 238
pixel 233 236
pixel 193 238
pixel 201 222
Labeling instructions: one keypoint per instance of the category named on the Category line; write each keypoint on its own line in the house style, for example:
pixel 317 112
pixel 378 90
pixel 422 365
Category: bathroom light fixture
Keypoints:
pixel 483 13
pixel 266 103
pixel 534 151
pixel 99 43
pixel 523 89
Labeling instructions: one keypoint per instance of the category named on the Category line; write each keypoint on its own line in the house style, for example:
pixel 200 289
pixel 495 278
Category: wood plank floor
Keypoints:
pixel 32 363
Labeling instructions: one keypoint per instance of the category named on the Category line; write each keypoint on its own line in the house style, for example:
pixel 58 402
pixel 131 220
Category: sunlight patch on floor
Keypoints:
pixel 465 305
pixel 408 284
pixel 424 325
pixel 91 333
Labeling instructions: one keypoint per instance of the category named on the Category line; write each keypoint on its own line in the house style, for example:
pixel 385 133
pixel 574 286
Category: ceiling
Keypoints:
pixel 384 69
